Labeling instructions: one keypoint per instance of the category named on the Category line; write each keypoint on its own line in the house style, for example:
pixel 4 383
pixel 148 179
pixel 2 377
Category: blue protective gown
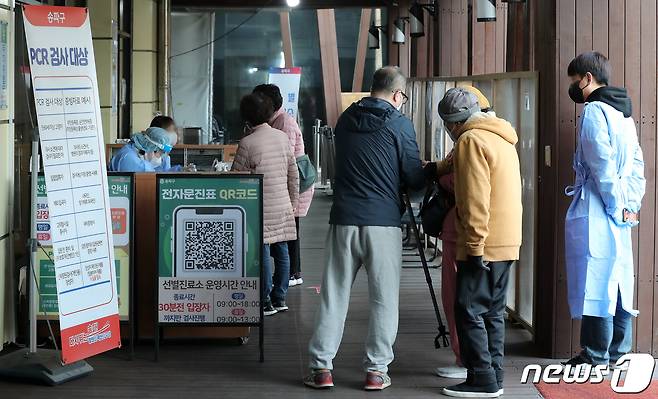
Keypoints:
pixel 609 178
pixel 127 159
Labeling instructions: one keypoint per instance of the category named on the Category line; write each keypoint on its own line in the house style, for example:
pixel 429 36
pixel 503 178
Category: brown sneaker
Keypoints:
pixel 377 381
pixel 319 379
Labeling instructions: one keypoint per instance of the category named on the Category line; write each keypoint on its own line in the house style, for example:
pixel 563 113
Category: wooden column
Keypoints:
pixel 361 50
pixel 546 63
pixel 393 49
pixel 286 38
pixel 431 41
pixel 330 68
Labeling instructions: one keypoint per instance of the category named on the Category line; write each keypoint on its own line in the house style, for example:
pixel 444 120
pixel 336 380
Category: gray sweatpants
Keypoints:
pixel 379 249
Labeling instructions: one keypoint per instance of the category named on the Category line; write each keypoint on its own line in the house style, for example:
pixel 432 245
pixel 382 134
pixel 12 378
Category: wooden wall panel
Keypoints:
pixel 646 239
pixel 617 37
pixel 626 31
pixel 546 58
pixel 463 38
pixel 501 36
pixel 566 31
pixel 632 83
pixel 431 40
pixel 420 48
pixel 404 50
pixel 489 42
pixel 454 42
pixel 600 37
pixel 583 43
pixel 393 49
pixel 489 46
pixel 445 22
pixel 478 46
pixel 452 45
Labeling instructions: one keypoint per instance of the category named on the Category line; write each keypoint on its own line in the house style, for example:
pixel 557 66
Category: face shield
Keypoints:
pixel 159 138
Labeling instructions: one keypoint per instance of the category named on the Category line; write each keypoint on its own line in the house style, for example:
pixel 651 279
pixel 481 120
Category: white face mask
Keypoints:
pixel 156 162
pixel 152 159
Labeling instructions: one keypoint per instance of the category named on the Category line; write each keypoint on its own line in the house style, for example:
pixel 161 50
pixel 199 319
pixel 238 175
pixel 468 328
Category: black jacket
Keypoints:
pixel 376 155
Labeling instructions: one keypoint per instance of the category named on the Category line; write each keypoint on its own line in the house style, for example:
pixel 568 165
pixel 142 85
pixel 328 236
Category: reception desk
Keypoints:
pixel 202 156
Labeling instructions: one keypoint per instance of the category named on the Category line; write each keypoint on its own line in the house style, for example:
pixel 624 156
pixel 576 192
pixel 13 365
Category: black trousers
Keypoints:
pixel 479 315
pixel 295 255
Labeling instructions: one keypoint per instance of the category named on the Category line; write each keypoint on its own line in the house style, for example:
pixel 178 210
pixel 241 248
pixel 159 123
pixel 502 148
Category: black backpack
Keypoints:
pixel 435 207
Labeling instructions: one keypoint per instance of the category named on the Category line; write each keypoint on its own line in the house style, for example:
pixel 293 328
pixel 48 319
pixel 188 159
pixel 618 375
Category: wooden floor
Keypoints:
pixel 197 370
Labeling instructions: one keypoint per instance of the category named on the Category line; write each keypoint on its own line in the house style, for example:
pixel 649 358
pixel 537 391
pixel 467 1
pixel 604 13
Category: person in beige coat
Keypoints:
pixel 265 150
pixel 286 123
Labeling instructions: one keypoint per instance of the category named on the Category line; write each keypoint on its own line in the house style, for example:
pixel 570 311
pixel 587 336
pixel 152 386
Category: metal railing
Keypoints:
pixel 324 155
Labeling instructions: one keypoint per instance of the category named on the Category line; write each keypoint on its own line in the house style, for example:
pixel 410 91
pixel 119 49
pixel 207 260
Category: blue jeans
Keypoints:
pixel 281 277
pixel 606 339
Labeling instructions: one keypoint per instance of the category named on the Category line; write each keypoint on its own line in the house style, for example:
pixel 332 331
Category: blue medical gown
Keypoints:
pixel 609 178
pixel 127 159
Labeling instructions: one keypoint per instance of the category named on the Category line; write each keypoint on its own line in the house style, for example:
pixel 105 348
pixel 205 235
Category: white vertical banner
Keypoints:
pixel 192 71
pixel 63 74
pixel 288 80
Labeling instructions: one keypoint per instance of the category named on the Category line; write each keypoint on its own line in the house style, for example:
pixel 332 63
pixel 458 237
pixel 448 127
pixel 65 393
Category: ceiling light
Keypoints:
pixel 374 36
pixel 398 31
pixel 292 3
pixel 486 10
pixel 417 20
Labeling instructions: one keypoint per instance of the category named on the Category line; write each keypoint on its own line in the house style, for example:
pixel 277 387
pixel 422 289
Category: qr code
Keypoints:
pixel 209 245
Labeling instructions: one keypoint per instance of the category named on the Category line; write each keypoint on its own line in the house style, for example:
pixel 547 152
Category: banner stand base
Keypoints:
pixel 43 367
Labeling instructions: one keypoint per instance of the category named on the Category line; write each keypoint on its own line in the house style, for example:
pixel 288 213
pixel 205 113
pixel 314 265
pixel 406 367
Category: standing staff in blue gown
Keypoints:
pixel 607 195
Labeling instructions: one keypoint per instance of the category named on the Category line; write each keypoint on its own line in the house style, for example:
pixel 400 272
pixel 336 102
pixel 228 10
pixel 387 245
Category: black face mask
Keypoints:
pixel 576 93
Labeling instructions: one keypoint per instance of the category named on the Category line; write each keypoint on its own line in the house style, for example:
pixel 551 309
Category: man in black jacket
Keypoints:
pixel 376 155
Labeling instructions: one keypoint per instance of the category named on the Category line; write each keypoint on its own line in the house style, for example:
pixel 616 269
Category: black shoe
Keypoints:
pixel 269 310
pixel 464 390
pixel 280 306
pixel 578 359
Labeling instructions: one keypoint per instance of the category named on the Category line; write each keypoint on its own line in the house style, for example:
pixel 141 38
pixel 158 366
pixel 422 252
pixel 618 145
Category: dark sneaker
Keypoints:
pixel 280 306
pixel 464 390
pixel 581 363
pixel 377 381
pixel 268 309
pixel 319 379
pixel 575 361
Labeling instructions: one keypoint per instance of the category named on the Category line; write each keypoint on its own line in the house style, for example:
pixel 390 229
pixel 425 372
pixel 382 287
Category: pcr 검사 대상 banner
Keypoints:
pixel 63 72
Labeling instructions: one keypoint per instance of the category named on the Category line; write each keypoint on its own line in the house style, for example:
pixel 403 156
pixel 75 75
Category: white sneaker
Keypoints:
pixel 455 372
pixel 299 281
pixel 292 282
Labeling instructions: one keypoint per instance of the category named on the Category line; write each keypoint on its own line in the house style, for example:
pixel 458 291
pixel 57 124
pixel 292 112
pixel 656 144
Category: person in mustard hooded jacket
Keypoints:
pixel 445 175
pixel 489 213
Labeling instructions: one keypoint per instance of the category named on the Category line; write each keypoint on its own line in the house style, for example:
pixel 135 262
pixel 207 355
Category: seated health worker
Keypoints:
pixel 167 123
pixel 144 153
